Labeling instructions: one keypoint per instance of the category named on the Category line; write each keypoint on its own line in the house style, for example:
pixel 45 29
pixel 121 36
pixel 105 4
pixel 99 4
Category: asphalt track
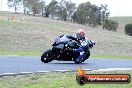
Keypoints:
pixel 17 64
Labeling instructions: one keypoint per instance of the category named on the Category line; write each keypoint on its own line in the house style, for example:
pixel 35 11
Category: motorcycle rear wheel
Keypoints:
pixel 76 61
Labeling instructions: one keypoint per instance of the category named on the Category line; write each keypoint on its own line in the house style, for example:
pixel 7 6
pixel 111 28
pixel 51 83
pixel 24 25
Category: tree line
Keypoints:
pixel 84 13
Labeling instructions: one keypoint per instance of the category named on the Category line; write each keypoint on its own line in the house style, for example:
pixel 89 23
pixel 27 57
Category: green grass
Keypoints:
pixel 33 35
pixel 56 80
pixel 123 19
pixel 30 53
pixel 20 53
pixel 104 56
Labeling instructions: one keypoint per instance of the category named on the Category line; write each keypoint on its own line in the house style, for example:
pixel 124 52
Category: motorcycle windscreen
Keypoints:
pixel 72 44
pixel 55 41
pixel 60 46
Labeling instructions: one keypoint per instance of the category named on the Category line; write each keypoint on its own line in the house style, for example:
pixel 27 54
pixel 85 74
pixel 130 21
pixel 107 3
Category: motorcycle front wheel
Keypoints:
pixel 83 59
pixel 86 56
pixel 46 56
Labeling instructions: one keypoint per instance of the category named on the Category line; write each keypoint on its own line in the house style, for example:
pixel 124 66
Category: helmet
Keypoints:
pixel 80 35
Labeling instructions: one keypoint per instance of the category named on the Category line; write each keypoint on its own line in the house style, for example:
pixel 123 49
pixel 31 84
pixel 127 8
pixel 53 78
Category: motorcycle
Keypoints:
pixel 67 52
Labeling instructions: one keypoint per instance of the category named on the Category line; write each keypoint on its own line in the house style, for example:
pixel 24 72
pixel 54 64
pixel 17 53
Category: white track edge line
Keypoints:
pixel 24 73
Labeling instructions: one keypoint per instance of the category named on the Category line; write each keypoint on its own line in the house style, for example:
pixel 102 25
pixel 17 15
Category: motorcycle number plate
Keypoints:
pixel 81 53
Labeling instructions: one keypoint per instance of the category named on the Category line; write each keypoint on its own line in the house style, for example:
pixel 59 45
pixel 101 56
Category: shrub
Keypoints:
pixel 128 29
pixel 110 25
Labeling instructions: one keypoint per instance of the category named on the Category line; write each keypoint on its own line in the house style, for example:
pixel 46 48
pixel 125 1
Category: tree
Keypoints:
pixel 52 7
pixel 14 4
pixel 104 13
pixel 67 9
pixel 94 17
pixel 110 25
pixel 26 6
pixel 78 16
pixel 34 6
pixel 42 7
pixel 63 9
pixel 70 8
pixel 74 17
pixel 87 14
pixel 128 29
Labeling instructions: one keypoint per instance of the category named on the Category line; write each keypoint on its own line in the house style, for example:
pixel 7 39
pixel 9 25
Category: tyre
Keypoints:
pixel 46 56
pixel 86 56
pixel 76 61
pixel 76 54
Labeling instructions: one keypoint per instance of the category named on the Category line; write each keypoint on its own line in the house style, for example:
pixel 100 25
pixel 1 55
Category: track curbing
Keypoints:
pixel 25 73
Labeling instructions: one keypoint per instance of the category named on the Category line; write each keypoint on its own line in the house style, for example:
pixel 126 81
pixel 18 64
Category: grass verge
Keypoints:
pixel 33 35
pixel 106 56
pixel 30 53
pixel 19 53
pixel 56 80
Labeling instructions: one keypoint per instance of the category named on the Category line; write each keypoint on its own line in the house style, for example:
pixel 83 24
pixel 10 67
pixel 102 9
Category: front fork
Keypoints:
pixel 81 54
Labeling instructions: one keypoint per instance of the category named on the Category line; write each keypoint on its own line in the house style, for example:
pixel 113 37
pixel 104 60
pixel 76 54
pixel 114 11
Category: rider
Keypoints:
pixel 62 41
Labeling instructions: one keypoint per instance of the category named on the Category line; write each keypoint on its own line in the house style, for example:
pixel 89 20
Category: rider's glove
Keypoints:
pixel 91 43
